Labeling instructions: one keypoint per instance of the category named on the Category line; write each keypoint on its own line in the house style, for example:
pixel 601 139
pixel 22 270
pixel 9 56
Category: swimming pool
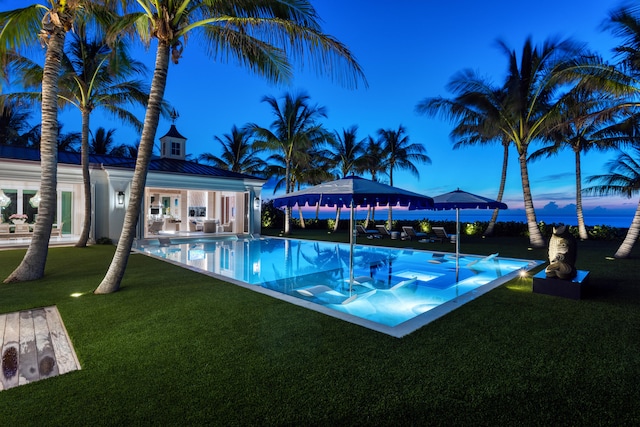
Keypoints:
pixel 395 291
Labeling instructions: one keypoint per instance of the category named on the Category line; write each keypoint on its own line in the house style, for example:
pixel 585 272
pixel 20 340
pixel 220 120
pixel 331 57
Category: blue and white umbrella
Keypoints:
pixel 459 199
pixel 354 191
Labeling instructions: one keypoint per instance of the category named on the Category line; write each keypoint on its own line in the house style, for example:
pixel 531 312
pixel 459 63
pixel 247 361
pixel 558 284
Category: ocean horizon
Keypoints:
pixel 472 215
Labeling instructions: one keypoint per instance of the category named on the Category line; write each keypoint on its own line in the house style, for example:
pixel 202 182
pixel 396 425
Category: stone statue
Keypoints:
pixel 562 254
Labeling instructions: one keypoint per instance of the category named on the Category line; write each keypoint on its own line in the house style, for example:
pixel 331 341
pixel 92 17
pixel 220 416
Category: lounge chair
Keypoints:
pixel 325 293
pixel 403 283
pixel 442 235
pixel 155 227
pixel 369 234
pixel 411 233
pixel 365 281
pixel 482 260
pixel 383 231
pixel 164 241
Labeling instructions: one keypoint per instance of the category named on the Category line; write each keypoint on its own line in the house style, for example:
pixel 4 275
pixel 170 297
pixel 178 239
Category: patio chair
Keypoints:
pixel 155 227
pixel 479 262
pixel 56 231
pixel 369 234
pixel 411 233
pixel 442 235
pixel 383 231
pixel 331 296
pixel 195 225
pixel 403 283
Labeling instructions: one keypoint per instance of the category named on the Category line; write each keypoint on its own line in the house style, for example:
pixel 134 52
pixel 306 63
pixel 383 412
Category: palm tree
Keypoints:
pixel 102 142
pixel 68 141
pixel 372 164
pixel 310 167
pixel 589 120
pixel 400 154
pixel 624 22
pixel 94 75
pixel 346 154
pixel 262 35
pixel 528 105
pixel 292 135
pixel 622 179
pixel 534 102
pixel 238 153
pixel 476 113
pixel 49 24
pixel 14 123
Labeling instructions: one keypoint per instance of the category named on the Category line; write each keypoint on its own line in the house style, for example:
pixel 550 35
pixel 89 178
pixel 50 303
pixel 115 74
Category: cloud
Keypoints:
pixel 553 208
pixel 556 177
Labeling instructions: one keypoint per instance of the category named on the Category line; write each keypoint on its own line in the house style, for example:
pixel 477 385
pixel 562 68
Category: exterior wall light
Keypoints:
pixel 120 197
pixel 256 203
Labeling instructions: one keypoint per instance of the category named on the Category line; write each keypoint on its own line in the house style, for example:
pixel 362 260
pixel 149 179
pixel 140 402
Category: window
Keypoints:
pixel 175 149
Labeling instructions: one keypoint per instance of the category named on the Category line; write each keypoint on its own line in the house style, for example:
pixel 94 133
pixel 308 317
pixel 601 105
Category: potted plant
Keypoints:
pixel 18 218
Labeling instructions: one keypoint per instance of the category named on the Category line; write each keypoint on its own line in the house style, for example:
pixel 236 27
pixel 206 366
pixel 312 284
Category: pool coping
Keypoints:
pixel 398 331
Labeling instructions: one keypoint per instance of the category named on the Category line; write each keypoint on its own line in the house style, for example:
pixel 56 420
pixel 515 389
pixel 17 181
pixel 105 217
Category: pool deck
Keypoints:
pixel 35 346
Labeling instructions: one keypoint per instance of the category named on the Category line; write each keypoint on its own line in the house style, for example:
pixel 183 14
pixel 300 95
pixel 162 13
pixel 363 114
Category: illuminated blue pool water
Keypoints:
pixel 395 290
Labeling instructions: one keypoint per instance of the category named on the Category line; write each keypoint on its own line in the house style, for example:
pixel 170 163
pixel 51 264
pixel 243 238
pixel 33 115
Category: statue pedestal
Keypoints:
pixel 558 287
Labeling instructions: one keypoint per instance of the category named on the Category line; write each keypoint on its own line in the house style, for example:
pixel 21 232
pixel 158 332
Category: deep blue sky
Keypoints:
pixel 409 50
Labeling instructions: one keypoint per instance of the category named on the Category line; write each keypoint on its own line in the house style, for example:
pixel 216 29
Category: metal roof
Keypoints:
pixel 156 164
pixel 173 132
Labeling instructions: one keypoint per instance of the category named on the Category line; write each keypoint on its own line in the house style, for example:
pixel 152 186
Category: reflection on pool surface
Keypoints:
pixel 392 291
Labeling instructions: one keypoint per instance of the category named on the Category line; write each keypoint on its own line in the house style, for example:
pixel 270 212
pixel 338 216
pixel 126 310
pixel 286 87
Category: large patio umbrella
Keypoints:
pixel 350 192
pixel 459 199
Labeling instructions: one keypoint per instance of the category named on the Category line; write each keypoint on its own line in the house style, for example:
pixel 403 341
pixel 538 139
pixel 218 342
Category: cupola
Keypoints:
pixel 172 144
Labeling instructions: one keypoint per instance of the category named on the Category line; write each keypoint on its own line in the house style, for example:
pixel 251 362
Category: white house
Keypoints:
pixel 181 197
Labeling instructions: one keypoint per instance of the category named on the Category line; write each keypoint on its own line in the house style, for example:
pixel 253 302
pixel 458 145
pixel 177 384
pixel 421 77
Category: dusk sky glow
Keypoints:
pixel 409 50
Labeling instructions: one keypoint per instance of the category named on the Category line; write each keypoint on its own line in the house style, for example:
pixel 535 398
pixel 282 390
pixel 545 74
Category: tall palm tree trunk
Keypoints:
pixel 631 238
pixel 582 229
pixel 503 181
pixel 337 223
pixel 115 273
pixel 390 214
pixel 35 259
pixel 86 180
pixel 302 224
pixel 287 209
pixel 366 220
pixel 535 237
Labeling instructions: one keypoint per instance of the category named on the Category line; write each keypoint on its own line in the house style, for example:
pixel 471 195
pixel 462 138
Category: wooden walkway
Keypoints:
pixel 35 346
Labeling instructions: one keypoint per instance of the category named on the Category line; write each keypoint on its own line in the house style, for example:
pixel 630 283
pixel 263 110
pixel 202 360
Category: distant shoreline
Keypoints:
pixel 472 215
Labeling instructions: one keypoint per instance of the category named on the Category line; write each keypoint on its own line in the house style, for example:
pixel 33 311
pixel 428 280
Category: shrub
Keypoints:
pixel 604 232
pixel 424 225
pixel 272 217
pixel 474 229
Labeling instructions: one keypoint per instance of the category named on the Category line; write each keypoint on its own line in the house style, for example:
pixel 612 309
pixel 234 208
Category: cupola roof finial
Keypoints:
pixel 174 116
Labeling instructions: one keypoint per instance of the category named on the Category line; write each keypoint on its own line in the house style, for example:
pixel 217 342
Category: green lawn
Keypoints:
pixel 174 347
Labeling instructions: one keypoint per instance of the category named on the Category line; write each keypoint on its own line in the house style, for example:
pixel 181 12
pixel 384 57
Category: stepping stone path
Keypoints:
pixel 35 346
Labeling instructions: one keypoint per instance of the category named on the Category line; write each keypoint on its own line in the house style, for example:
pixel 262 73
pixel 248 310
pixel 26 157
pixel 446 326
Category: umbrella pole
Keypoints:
pixel 457 242
pixel 351 238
